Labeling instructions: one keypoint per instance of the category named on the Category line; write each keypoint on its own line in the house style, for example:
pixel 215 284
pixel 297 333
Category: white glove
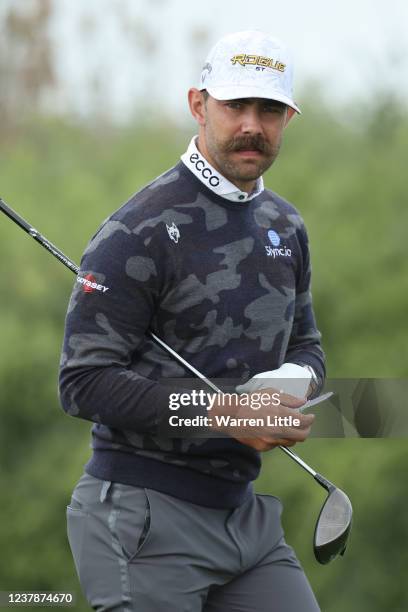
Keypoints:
pixel 290 378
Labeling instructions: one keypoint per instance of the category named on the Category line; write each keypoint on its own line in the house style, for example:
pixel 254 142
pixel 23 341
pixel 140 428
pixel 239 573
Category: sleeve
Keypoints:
pixel 110 309
pixel 305 341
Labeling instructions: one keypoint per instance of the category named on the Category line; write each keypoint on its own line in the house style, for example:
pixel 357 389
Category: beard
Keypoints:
pixel 235 169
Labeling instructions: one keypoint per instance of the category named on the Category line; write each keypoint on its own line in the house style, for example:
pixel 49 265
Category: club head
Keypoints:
pixel 333 526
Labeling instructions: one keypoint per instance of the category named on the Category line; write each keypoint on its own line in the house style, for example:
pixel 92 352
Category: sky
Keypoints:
pixel 132 53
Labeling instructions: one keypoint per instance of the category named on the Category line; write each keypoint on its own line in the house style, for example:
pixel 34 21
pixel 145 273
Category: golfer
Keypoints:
pixel 218 267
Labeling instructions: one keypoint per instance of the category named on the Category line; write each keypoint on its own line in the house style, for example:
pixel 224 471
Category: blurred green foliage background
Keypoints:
pixel 348 179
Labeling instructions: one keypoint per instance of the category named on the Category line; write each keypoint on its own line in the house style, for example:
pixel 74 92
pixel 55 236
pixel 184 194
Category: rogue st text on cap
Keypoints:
pixel 249 64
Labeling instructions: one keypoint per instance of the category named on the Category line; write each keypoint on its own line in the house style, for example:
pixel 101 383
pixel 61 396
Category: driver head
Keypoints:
pixel 333 527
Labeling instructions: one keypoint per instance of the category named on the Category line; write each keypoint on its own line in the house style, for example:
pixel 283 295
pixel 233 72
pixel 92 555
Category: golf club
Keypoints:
pixel 334 522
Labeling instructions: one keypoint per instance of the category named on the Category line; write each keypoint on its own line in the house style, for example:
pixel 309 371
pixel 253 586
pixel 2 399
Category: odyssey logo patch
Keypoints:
pixel 276 250
pixel 90 284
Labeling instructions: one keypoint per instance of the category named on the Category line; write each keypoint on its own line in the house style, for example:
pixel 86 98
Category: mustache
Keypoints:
pixel 245 143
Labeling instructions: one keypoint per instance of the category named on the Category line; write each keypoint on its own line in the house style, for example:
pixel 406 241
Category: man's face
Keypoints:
pixel 243 137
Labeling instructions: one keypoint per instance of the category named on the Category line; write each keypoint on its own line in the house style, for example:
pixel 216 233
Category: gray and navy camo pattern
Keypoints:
pixel 226 285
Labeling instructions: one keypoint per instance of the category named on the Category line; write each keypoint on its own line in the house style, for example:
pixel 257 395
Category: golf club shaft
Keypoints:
pixel 11 214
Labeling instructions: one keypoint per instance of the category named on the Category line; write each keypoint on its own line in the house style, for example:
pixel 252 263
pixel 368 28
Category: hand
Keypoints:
pixel 262 445
pixel 266 427
pixel 290 378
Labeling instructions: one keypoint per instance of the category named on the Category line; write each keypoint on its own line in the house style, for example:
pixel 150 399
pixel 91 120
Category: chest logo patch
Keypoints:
pixel 173 232
pixel 277 249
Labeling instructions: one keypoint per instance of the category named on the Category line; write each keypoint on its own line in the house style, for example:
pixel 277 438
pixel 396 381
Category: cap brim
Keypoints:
pixel 235 92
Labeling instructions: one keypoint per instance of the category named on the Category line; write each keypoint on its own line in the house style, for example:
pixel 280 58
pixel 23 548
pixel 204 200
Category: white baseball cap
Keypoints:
pixel 249 64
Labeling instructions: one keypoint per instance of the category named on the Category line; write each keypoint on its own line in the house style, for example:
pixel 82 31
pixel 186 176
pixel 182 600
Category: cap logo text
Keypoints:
pixel 258 60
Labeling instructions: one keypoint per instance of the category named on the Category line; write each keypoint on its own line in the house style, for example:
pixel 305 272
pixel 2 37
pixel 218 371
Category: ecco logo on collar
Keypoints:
pixel 204 170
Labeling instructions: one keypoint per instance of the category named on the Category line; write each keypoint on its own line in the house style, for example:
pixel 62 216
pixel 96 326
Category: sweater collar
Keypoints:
pixel 208 175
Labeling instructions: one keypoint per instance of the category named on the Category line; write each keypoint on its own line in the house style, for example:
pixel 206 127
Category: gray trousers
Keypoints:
pixel 136 549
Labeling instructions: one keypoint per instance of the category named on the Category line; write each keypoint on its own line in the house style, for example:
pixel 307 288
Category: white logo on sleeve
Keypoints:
pixel 173 232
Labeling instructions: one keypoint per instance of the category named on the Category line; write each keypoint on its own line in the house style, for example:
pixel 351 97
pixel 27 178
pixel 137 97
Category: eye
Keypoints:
pixel 273 108
pixel 234 105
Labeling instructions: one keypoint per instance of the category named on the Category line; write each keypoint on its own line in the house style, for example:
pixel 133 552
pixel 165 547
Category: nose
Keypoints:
pixel 251 121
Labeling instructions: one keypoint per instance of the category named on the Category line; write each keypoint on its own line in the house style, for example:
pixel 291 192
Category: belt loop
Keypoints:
pixel 104 490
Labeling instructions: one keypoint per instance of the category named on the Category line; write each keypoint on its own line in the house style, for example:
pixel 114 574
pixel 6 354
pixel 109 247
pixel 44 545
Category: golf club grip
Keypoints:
pixel 74 268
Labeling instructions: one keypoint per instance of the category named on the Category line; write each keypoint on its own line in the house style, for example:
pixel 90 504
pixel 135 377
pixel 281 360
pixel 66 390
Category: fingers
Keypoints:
pixel 285 399
pixel 291 401
pixel 286 442
pixel 293 434
pixel 267 422
pixel 263 445
pixel 258 444
pixel 285 436
pixel 305 420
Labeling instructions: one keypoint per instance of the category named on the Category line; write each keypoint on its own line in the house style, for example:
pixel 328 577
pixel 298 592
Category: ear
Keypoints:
pixel 197 105
pixel 290 112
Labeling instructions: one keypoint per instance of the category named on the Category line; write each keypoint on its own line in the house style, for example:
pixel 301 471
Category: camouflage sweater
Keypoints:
pixel 225 283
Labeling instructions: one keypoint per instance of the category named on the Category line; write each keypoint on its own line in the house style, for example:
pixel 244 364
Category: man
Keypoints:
pixel 218 267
